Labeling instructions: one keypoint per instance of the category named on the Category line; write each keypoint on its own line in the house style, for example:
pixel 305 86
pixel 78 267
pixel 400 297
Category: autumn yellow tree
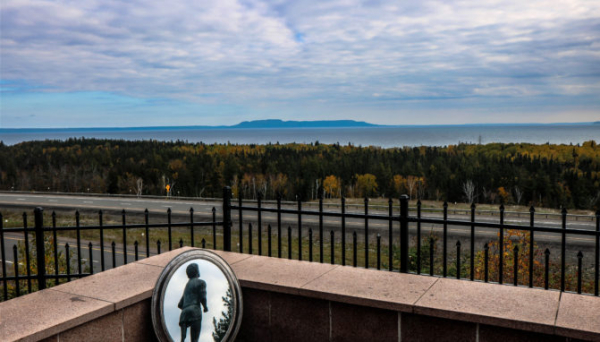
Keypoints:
pixel 332 186
pixel 366 185
pixel 399 185
pixel 512 238
pixel 279 184
pixel 505 195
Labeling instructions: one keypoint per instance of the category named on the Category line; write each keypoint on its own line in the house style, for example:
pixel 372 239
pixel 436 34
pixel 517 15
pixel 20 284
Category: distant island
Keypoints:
pixel 255 124
pixel 280 124
pixel 273 123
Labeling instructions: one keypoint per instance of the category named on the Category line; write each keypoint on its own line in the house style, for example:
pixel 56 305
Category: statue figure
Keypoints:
pixel 193 295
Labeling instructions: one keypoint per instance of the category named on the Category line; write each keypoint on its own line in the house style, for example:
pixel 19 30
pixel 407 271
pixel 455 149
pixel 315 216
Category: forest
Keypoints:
pixel 542 175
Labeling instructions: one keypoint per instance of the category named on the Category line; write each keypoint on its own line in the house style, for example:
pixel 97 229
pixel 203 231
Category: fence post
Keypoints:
pixel 404 234
pixel 227 219
pixel 39 247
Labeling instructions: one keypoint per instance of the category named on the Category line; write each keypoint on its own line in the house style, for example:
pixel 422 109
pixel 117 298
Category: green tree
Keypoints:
pixel 222 325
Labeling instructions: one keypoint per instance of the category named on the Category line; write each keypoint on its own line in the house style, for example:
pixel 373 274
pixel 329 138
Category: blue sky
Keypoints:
pixel 99 63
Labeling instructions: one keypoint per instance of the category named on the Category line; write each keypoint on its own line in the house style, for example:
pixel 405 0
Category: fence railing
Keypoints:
pixel 37 247
pixel 406 248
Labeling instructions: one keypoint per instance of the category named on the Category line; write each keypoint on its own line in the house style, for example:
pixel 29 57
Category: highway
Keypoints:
pixel 203 212
pixel 203 208
pixel 130 204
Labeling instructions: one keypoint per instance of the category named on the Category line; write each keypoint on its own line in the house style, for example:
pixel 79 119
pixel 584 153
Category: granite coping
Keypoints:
pixel 48 312
pixel 163 259
pixel 380 289
pixel 511 307
pixel 45 313
pixel 279 275
pixel 579 317
pixel 123 286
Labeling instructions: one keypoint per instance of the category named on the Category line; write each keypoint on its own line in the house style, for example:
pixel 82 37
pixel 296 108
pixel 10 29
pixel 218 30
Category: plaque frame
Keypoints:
pixel 158 294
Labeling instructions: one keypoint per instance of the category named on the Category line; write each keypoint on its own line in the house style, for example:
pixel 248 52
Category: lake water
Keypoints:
pixel 375 136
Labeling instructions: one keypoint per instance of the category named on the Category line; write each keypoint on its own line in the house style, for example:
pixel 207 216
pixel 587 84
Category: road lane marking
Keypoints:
pixel 125 203
pixel 11 238
pixel 51 200
pixel 20 199
pixel 88 202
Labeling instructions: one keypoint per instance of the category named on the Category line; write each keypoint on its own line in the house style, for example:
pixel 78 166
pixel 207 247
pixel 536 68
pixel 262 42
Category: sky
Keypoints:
pixel 106 63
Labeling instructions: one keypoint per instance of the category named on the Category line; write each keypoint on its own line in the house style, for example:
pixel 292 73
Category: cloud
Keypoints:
pixel 277 55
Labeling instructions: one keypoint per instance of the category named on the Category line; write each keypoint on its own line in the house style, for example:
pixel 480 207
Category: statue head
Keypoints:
pixel 192 271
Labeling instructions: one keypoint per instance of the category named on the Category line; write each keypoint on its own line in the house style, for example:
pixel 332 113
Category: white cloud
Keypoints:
pixel 252 53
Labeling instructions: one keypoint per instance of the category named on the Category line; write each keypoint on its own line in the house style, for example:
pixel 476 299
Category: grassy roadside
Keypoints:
pixel 429 204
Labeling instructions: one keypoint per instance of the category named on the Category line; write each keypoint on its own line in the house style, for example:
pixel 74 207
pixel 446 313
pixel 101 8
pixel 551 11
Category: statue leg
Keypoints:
pixel 195 330
pixel 183 332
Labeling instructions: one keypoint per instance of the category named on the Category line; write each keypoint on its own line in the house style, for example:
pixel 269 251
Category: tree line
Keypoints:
pixel 542 175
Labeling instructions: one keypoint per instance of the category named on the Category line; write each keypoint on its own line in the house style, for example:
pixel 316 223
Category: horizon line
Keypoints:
pixel 366 125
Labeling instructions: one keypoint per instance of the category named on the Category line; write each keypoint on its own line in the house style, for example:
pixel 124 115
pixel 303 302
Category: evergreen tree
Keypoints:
pixel 222 325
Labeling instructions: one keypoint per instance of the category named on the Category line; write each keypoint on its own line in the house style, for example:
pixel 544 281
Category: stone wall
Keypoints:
pixel 287 300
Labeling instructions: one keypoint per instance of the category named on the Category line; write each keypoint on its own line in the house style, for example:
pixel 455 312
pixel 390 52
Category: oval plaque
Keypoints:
pixel 197 298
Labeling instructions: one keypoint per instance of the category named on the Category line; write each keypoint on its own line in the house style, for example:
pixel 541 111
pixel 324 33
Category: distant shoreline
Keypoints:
pixel 279 124
pixel 382 136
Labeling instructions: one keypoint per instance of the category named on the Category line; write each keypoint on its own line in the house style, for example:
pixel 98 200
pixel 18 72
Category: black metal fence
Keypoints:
pixel 37 251
pixel 409 248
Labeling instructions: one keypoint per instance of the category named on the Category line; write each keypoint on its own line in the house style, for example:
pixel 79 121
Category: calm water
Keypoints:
pixel 377 136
